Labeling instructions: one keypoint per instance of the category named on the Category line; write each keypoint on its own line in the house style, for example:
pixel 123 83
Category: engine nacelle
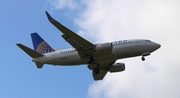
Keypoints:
pixel 104 47
pixel 117 67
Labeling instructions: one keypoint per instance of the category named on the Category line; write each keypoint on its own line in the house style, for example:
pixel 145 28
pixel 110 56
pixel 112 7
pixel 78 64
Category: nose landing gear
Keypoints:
pixel 143 58
pixel 144 54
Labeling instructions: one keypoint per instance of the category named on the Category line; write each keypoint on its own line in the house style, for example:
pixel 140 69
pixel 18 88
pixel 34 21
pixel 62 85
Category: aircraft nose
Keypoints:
pixel 156 46
pixel 153 46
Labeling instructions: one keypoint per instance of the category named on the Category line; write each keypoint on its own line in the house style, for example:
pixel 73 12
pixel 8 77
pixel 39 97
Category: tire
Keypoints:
pixel 143 59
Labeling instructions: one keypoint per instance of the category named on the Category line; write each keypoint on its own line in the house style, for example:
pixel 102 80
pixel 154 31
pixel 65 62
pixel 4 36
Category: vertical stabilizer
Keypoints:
pixel 40 45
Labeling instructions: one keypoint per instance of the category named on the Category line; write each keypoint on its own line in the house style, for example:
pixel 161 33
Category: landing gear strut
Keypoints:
pixel 144 54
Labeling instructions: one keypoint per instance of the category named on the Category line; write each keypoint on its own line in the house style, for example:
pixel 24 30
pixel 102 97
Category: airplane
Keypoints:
pixel 100 58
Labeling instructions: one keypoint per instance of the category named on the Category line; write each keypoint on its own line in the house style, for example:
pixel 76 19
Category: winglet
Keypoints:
pixel 48 15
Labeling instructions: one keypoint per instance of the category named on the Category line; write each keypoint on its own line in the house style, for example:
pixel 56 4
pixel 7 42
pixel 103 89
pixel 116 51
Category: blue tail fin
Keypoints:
pixel 40 45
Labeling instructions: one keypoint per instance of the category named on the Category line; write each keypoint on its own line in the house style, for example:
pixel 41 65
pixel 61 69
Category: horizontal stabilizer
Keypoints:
pixel 29 51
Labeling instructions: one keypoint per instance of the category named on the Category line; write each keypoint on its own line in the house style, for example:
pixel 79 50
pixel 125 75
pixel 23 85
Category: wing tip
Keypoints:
pixel 19 44
pixel 48 16
pixel 33 33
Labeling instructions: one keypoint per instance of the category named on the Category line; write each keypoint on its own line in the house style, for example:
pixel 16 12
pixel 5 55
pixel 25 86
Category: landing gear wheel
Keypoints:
pixel 143 59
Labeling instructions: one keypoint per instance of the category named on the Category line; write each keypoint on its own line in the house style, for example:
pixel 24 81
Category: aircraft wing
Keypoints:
pixel 99 76
pixel 76 41
pixel 102 72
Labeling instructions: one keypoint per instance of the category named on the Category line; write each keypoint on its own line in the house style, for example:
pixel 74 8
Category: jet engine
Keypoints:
pixel 117 67
pixel 104 47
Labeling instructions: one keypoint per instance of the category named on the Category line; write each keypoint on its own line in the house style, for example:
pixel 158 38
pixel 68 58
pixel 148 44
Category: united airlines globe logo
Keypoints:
pixel 44 48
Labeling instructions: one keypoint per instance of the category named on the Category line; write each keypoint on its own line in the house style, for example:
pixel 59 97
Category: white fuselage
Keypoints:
pixel 121 49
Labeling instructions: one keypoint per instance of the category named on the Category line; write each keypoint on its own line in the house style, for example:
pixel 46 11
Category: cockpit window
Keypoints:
pixel 147 40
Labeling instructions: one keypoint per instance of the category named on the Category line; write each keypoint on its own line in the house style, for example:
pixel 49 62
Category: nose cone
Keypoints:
pixel 158 46
pixel 155 46
pixel 152 46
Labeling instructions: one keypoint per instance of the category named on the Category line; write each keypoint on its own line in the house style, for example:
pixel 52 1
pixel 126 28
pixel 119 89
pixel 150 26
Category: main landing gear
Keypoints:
pixel 93 65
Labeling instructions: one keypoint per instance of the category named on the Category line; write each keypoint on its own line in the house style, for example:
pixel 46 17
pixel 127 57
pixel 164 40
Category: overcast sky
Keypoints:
pixel 97 21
